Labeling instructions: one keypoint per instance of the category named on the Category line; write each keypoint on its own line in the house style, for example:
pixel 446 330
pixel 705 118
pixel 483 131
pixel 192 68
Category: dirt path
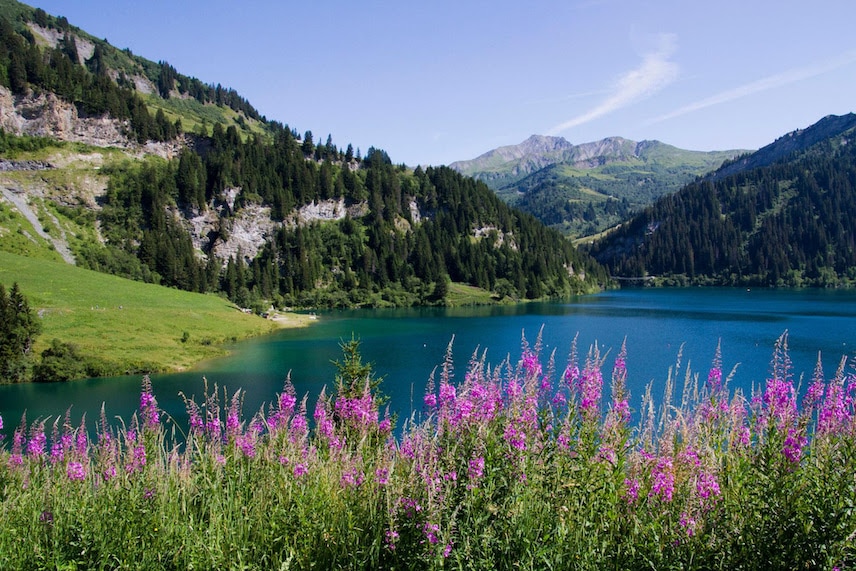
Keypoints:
pixel 20 202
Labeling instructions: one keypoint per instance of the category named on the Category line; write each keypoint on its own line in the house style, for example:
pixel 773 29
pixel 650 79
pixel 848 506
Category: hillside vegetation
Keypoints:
pixel 789 222
pixel 122 326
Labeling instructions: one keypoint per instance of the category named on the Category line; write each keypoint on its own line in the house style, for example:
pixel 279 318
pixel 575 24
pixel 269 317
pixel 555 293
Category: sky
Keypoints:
pixel 436 82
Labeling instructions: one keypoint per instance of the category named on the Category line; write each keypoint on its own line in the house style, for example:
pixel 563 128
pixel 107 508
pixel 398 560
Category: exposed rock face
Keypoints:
pixel 52 36
pixel 46 115
pixel 326 210
pixel 246 234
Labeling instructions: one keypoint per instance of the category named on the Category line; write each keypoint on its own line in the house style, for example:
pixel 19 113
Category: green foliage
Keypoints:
pixel 61 362
pixel 19 327
pixel 788 224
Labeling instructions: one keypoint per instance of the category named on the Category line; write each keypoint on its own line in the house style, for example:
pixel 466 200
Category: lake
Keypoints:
pixel 407 344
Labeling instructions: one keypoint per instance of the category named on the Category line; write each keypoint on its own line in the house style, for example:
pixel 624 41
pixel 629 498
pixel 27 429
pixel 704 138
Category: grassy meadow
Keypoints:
pixel 131 326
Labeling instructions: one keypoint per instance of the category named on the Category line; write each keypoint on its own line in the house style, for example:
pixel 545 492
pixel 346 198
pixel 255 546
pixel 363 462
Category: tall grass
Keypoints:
pixel 519 465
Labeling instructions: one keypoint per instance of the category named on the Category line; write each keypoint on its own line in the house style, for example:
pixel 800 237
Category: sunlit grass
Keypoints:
pixel 132 325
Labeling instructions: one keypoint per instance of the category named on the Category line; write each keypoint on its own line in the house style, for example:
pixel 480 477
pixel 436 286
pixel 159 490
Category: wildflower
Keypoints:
pixel 476 468
pixel 431 530
pixel 516 438
pixel 382 476
pixel 75 471
pixel 531 365
pixel 148 405
pixel 430 401
pixel 447 394
pixel 300 470
pixel 287 402
pixel 448 550
pixel 631 493
pixel 149 493
pixel 589 386
pixel 714 376
pixel 391 537
pixel 37 442
pixel 663 479
pixel 46 517
pixel 109 473
pixel 247 445
pixel 1 422
pixel 707 486
pixel 792 447
pixel 688 523
pixel 353 478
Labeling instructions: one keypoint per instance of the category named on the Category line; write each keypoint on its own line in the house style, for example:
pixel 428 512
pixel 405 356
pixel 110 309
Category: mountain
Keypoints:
pixel 584 189
pixel 126 166
pixel 782 216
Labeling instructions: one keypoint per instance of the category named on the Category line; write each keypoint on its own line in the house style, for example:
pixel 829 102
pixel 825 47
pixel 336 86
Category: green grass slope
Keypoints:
pixel 129 326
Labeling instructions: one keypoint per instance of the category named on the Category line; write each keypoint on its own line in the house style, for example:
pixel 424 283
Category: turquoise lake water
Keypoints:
pixel 406 345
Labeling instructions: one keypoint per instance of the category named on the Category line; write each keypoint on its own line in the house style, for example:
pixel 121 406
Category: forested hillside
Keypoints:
pixel 791 223
pixel 318 226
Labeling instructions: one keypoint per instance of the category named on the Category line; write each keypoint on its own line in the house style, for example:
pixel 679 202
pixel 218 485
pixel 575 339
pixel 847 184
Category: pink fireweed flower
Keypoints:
pixel 714 376
pixel 109 473
pixel 38 441
pixel 835 411
pixel 448 550
pixel 382 476
pixel 352 478
pixel 793 445
pixel 247 444
pixel 589 386
pixel 1 422
pixel 196 422
pixel 515 438
pixel 148 405
pixel 662 480
pixel 448 394
pixel 287 402
pixel 531 364
pixel 391 537
pixel 431 530
pixel 476 468
pixel 688 523
pixel 814 395
pixel 300 469
pixel 707 486
pixel 631 490
pixel 430 401
pixel 75 471
pixel 779 402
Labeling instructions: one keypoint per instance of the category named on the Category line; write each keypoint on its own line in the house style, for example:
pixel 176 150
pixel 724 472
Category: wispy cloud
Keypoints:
pixel 764 84
pixel 655 73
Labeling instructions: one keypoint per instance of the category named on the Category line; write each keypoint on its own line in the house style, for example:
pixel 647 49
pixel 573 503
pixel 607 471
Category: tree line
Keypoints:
pixel 789 224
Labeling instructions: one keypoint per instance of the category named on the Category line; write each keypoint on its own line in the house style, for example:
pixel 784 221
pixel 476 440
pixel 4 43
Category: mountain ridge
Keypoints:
pixel 586 188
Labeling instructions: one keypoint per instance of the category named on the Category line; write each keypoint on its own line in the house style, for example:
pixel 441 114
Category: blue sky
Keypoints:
pixel 436 82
